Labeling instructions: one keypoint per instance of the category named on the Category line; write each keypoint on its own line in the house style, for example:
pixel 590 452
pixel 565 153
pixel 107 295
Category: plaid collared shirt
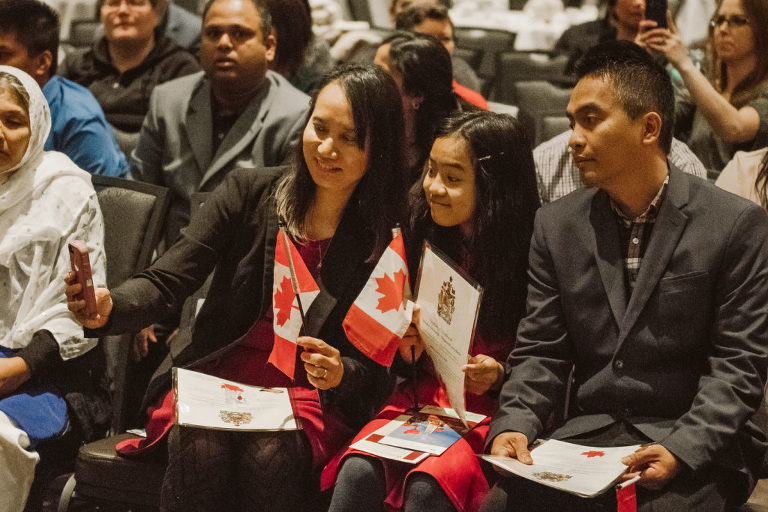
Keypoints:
pixel 634 235
pixel 557 174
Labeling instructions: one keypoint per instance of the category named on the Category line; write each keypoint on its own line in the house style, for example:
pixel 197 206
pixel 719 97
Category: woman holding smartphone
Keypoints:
pixel 476 202
pixel 46 201
pixel 726 108
pixel 339 202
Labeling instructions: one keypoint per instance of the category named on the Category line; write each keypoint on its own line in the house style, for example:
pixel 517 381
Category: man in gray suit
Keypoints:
pixel 652 285
pixel 233 114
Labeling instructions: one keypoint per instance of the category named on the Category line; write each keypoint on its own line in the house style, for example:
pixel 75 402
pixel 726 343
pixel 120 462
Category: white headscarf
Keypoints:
pixel 46 201
pixel 39 117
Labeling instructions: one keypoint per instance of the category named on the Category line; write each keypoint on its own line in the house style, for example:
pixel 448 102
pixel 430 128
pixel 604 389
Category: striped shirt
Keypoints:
pixel 557 174
pixel 634 235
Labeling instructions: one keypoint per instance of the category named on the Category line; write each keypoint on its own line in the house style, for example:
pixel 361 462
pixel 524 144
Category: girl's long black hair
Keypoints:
pixel 506 200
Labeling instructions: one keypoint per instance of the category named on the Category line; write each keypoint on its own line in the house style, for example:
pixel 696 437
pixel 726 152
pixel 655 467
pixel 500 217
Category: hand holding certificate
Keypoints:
pixel 450 302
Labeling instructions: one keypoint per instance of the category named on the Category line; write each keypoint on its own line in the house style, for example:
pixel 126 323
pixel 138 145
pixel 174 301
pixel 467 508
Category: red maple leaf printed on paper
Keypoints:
pixel 283 301
pixel 593 453
pixel 392 291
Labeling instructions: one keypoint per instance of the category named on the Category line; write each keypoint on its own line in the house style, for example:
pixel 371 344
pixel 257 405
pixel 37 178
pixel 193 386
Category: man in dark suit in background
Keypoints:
pixel 653 285
pixel 233 114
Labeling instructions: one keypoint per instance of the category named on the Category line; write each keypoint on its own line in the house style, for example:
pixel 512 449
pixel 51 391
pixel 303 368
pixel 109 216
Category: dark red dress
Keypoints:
pixel 458 469
pixel 245 361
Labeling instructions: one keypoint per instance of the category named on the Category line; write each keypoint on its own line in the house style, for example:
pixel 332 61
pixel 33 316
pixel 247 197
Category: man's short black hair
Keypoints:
pixel 34 24
pixel 417 14
pixel 640 83
pixel 261 6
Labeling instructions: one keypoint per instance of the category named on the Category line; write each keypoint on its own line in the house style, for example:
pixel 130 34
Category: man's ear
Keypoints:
pixel 651 128
pixel 270 43
pixel 42 66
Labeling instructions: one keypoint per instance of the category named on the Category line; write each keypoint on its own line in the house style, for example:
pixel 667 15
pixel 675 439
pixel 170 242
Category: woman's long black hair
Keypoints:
pixel 427 72
pixel 378 117
pixel 506 200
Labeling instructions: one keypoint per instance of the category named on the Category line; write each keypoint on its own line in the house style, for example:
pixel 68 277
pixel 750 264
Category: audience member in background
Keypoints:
pixel 128 61
pixel 233 114
pixel 725 110
pixel 421 68
pixel 339 201
pixel 300 56
pixel 476 202
pixel 29 40
pixel 621 21
pixel 434 20
pixel 46 201
pixel 747 176
pixel 650 281
pixel 557 173
pixel 398 6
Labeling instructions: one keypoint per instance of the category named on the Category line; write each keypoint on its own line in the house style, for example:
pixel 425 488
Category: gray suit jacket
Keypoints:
pixel 175 147
pixel 683 360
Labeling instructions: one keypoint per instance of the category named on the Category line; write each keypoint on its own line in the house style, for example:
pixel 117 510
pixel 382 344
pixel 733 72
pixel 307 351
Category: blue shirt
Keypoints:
pixel 80 131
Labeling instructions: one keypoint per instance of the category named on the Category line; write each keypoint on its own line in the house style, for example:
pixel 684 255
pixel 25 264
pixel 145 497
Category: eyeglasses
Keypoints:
pixel 115 4
pixel 734 21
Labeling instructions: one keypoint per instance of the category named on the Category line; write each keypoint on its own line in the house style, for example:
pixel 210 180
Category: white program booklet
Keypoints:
pixel 210 402
pixel 582 470
pixel 450 302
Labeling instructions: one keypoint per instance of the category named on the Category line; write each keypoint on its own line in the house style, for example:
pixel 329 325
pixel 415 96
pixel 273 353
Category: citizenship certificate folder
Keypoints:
pixel 450 303
pixel 205 401
pixel 412 437
pixel 585 471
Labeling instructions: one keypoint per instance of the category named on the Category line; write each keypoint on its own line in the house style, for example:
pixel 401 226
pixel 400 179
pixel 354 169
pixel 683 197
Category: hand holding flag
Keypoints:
pixel 293 291
pixel 322 363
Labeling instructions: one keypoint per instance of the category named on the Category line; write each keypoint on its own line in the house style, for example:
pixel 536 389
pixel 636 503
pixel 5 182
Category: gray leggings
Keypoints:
pixel 361 486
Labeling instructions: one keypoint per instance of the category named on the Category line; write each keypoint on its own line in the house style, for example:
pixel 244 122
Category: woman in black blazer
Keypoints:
pixel 339 202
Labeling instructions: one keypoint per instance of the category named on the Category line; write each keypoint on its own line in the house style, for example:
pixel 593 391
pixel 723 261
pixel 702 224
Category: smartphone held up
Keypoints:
pixel 656 10
pixel 81 265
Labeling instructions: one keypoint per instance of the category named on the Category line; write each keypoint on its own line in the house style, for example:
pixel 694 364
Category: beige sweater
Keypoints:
pixel 739 175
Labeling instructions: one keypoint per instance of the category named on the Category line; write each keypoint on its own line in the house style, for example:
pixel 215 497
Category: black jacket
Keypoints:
pixel 234 235
pixel 125 97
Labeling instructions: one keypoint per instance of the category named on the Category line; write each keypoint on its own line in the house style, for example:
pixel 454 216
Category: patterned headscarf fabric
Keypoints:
pixel 39 117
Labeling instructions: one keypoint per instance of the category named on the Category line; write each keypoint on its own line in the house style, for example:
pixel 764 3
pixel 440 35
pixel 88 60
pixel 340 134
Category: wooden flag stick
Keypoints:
pixel 395 233
pixel 292 269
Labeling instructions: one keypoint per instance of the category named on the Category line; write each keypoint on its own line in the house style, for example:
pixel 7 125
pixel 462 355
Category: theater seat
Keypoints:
pixel 134 213
pixel 103 475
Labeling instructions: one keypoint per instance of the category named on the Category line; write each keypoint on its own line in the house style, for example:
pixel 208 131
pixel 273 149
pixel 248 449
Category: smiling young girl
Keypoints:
pixel 476 202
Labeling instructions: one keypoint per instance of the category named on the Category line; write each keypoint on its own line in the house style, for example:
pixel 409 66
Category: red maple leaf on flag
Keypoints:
pixel 593 453
pixel 284 301
pixel 392 291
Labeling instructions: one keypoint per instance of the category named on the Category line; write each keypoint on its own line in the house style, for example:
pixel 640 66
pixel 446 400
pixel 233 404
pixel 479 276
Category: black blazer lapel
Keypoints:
pixel 608 254
pixel 667 230
pixel 270 236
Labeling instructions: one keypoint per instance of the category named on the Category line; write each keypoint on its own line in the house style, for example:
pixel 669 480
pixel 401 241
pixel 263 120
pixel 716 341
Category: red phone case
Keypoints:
pixel 81 265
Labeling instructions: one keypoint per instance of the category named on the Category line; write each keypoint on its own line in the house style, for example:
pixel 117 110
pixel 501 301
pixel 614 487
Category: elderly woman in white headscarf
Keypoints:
pixel 46 201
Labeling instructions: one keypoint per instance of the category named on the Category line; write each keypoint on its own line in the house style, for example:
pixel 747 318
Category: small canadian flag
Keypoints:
pixel 382 312
pixel 285 306
pixel 233 394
